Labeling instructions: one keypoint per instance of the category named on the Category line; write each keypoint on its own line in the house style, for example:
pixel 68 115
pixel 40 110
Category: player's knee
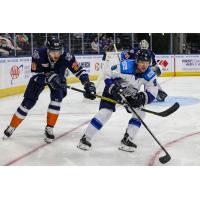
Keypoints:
pixel 28 103
pixel 57 96
pixel 23 109
pixel 101 118
pixel 104 115
pixel 142 114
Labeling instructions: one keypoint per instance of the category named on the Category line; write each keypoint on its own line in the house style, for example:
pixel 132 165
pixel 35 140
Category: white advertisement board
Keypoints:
pixel 17 71
pixel 14 71
pixel 91 63
pixel 187 63
pixel 166 62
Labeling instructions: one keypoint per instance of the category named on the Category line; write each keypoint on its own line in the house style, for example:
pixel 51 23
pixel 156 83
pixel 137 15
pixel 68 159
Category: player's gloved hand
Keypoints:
pixel 161 96
pixel 90 90
pixel 157 70
pixel 116 91
pixel 137 100
pixel 55 81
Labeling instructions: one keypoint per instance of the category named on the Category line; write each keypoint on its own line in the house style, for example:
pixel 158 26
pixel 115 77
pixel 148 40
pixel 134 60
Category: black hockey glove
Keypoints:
pixel 55 81
pixel 137 100
pixel 90 90
pixel 116 91
pixel 157 70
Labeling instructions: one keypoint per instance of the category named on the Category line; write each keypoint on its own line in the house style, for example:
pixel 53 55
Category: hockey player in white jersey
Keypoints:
pixel 162 95
pixel 125 79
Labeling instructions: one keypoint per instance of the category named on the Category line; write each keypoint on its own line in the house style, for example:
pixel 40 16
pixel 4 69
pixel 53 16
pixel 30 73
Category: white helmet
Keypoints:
pixel 143 44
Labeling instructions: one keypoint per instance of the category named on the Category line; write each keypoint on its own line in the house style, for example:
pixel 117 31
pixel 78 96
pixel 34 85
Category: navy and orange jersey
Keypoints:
pixel 41 63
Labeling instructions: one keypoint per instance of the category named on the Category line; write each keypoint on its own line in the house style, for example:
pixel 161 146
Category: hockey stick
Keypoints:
pixel 164 113
pixel 164 159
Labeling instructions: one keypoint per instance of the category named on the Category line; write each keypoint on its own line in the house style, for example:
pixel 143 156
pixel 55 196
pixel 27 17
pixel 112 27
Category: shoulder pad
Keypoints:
pixel 39 53
pixel 148 74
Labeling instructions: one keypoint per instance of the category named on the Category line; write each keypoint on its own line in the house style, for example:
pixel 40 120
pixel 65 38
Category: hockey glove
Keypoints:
pixel 161 96
pixel 157 70
pixel 116 91
pixel 55 81
pixel 90 90
pixel 137 100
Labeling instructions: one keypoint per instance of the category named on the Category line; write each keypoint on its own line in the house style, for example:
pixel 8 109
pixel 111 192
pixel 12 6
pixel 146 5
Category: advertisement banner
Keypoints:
pixel 15 71
pixel 166 62
pixel 187 63
pixel 92 64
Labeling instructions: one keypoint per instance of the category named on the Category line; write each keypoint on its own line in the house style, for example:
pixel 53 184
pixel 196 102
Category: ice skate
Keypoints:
pixel 8 132
pixel 49 134
pixel 84 144
pixel 127 144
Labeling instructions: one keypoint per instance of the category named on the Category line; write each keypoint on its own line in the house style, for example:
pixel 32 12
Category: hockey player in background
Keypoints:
pixel 48 67
pixel 156 68
pixel 125 80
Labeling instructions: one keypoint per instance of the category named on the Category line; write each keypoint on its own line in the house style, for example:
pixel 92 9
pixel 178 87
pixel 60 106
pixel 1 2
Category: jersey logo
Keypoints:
pixel 35 54
pixel 68 57
pixel 130 91
pixel 75 66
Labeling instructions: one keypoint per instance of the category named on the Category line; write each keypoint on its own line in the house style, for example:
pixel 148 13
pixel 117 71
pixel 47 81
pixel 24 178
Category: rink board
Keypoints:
pixel 16 72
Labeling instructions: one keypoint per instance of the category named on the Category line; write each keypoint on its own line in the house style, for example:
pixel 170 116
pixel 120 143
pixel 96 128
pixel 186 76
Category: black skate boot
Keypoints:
pixel 84 144
pixel 8 132
pixel 127 144
pixel 49 134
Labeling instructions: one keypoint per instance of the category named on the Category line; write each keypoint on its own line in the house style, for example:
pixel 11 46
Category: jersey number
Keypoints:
pixel 155 82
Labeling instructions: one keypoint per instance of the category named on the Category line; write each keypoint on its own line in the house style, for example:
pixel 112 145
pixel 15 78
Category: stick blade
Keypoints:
pixel 164 159
pixel 171 110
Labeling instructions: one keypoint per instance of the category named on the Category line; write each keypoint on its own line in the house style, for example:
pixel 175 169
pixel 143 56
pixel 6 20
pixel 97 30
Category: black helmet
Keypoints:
pixel 54 44
pixel 143 55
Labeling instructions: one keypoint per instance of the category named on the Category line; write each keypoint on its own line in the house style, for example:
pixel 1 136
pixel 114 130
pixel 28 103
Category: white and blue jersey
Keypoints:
pixel 126 74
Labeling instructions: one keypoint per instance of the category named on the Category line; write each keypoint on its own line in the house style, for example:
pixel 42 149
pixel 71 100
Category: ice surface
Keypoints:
pixel 181 131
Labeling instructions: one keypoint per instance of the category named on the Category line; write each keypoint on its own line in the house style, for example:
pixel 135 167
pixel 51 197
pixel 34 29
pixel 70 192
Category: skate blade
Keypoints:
pixel 48 140
pixel 5 137
pixel 126 149
pixel 83 147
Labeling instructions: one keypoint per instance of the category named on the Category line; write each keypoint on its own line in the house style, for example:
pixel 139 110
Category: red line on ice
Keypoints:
pixel 153 158
pixel 43 145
